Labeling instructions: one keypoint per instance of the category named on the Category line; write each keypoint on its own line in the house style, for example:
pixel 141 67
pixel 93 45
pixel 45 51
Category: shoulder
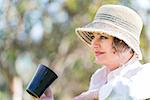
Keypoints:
pixel 145 70
pixel 141 81
pixel 99 73
pixel 98 78
pixel 146 66
pixel 143 74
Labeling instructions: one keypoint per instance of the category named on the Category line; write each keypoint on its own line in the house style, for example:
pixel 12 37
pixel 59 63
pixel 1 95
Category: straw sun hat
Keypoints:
pixel 115 20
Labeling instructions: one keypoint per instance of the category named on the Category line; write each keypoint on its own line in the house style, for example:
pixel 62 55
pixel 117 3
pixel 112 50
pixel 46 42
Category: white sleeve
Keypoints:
pixel 98 79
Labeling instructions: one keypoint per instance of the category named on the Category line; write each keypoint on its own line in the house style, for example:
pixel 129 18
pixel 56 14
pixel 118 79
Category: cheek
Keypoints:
pixel 111 55
pixel 110 50
pixel 109 47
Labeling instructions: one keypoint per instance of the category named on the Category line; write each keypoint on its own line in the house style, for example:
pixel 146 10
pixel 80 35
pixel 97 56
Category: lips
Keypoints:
pixel 98 53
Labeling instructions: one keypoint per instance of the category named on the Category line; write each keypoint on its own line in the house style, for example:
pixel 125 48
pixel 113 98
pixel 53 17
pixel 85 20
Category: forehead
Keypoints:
pixel 101 34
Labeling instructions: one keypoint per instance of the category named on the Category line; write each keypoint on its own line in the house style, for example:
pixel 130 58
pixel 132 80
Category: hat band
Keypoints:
pixel 117 21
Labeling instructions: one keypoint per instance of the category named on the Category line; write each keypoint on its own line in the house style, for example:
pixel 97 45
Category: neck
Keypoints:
pixel 121 60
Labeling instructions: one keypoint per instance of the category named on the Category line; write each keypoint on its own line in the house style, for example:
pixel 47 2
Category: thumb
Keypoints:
pixel 48 92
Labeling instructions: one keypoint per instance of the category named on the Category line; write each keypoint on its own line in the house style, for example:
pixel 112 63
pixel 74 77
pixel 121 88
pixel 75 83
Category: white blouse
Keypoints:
pixel 128 82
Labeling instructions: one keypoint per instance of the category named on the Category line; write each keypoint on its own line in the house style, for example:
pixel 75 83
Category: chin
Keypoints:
pixel 100 62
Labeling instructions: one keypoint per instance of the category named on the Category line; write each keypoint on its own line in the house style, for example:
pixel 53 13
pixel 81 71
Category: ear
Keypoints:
pixel 114 50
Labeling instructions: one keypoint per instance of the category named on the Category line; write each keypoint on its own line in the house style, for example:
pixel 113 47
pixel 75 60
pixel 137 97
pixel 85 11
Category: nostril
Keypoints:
pixel 95 47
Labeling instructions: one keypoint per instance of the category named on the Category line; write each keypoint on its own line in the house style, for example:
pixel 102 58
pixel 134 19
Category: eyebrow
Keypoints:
pixel 102 34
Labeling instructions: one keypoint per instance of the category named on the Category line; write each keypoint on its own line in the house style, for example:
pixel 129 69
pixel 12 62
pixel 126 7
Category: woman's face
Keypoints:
pixel 102 47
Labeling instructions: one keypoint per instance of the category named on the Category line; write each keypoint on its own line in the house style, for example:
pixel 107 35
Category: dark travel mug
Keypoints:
pixel 41 80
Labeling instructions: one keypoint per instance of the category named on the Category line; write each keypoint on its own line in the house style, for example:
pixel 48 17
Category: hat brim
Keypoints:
pixel 86 34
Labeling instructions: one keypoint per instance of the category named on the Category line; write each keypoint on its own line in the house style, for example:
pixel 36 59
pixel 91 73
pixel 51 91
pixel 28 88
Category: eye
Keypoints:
pixel 103 37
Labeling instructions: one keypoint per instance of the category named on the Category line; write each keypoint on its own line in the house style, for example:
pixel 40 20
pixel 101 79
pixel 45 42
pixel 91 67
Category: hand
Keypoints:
pixel 47 95
pixel 89 95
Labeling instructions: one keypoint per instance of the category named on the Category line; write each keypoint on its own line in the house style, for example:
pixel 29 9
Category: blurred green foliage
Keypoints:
pixel 42 31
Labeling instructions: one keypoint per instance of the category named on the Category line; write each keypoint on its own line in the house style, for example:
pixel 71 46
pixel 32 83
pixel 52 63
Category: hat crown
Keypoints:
pixel 120 16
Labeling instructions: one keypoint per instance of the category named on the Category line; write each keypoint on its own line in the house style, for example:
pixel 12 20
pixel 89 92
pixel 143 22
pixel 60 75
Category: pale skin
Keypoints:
pixel 102 48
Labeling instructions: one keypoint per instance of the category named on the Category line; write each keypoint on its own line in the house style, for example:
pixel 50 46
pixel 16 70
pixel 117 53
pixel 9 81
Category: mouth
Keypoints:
pixel 98 53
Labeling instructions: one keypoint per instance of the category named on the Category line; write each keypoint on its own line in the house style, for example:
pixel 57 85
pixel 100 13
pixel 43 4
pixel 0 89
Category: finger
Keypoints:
pixel 48 92
pixel 89 95
pixel 43 96
pixel 75 98
pixel 80 97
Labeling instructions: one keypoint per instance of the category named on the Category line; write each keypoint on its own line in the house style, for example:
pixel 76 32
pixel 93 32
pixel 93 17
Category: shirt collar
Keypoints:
pixel 133 63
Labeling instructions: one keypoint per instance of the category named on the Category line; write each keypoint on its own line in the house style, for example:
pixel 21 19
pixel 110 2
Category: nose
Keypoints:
pixel 95 43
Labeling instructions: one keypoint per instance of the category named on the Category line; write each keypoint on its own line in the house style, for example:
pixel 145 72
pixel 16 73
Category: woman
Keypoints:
pixel 114 37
